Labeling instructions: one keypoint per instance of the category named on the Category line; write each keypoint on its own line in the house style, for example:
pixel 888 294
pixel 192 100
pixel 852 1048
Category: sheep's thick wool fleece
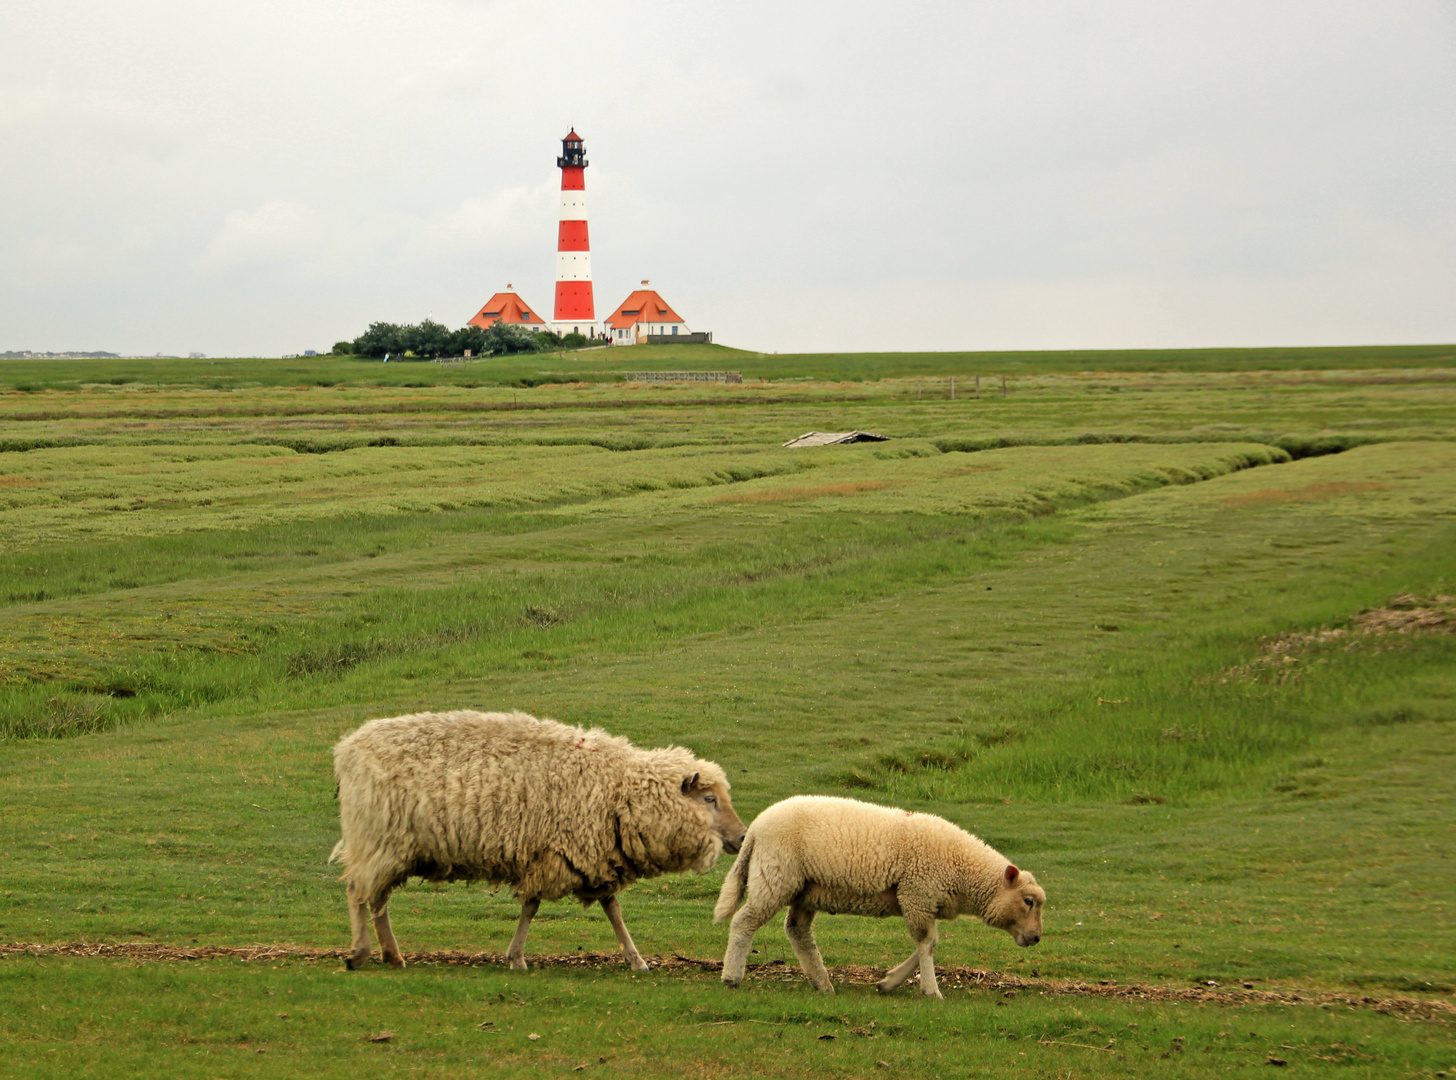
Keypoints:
pixel 841 856
pixel 505 797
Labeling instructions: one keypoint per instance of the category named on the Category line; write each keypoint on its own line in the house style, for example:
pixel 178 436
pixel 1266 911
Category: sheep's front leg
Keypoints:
pixel 923 933
pixel 382 930
pixel 516 954
pixel 799 925
pixel 740 936
pixel 359 928
pixel 613 908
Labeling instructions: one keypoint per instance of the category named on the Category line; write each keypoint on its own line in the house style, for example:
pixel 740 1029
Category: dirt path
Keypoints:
pixel 966 978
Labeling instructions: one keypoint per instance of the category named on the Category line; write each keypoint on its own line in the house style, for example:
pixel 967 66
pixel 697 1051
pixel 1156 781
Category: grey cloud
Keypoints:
pixel 269 176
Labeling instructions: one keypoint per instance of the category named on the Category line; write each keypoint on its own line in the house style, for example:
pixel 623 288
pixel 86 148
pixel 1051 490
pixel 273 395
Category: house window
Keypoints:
pixel 674 329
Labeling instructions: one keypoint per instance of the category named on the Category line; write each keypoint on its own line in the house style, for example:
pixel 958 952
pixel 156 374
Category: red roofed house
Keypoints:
pixel 641 314
pixel 507 307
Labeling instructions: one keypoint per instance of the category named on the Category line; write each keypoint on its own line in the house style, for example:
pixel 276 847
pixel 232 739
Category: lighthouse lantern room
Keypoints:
pixel 575 310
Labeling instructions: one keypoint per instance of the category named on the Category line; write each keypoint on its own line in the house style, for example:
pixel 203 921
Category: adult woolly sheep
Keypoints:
pixel 548 809
pixel 844 857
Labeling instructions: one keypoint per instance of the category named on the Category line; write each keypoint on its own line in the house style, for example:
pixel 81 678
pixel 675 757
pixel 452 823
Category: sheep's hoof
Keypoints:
pixel 731 984
pixel 934 994
pixel 355 961
pixel 885 987
pixel 827 988
pixel 396 961
pixel 518 963
pixel 640 965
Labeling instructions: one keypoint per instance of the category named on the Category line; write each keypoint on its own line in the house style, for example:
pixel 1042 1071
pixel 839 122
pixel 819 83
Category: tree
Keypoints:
pixel 343 348
pixel 573 340
pixel 506 337
pixel 427 340
pixel 468 337
pixel 379 339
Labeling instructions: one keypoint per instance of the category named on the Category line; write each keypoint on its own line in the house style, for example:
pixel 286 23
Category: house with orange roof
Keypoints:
pixel 507 307
pixel 641 315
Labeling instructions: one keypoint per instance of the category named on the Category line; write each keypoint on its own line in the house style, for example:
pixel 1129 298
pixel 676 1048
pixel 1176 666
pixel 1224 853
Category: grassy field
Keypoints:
pixel 609 364
pixel 1137 624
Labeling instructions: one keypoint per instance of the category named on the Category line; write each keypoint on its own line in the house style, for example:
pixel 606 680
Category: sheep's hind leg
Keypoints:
pixel 923 933
pixel 359 927
pixel 740 936
pixel 799 925
pixel 516 954
pixel 382 930
pixel 613 907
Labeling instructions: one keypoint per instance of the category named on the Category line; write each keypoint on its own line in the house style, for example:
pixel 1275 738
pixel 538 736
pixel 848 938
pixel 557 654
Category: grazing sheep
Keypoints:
pixel 506 798
pixel 844 857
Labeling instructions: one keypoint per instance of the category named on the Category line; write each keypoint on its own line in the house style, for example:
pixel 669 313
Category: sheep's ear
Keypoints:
pixel 1011 873
pixel 690 783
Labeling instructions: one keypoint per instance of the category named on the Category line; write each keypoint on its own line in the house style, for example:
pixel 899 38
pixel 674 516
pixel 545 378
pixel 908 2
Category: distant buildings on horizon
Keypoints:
pixel 642 315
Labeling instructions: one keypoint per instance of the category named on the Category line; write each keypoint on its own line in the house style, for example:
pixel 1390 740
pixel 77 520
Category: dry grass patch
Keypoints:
pixel 799 494
pixel 1308 493
pixel 1403 613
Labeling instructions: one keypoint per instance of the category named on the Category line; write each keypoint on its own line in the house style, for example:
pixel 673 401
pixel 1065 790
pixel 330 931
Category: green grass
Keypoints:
pixel 309 1019
pixel 1057 643
pixel 764 551
pixel 593 365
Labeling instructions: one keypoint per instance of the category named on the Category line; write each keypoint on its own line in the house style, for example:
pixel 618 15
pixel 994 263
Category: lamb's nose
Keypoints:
pixel 1032 939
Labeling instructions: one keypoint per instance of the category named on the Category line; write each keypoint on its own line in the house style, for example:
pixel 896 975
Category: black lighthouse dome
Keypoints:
pixel 572 154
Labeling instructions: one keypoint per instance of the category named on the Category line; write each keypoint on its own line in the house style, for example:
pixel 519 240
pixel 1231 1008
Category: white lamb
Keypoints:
pixel 845 857
pixel 550 810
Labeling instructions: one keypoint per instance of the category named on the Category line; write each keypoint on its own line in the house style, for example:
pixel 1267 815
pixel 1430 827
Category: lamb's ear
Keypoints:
pixel 690 784
pixel 1011 873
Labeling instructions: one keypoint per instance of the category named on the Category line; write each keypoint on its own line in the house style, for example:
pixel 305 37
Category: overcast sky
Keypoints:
pixel 261 177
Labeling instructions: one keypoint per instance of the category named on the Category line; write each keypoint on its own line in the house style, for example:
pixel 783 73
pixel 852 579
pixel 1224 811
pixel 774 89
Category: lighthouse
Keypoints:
pixel 575 310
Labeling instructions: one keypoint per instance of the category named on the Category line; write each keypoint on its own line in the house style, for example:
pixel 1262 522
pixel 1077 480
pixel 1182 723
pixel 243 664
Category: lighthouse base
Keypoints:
pixel 584 327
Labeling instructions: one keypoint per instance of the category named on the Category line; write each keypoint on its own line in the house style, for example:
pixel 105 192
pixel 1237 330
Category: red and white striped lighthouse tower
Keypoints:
pixel 575 310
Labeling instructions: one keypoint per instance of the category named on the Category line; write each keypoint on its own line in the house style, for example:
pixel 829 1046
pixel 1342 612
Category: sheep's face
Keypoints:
pixel 1017 906
pixel 712 796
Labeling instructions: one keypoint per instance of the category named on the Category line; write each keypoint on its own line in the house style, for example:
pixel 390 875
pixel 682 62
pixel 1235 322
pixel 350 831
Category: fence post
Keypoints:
pixel 919 388
pixel 952 387
pixel 1003 385
pixel 978 388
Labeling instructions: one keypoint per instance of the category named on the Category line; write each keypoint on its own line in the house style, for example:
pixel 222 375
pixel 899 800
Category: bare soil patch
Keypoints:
pixel 1403 614
pixel 967 978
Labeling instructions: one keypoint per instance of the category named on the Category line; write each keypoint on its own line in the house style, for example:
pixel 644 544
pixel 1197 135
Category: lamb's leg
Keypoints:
pixel 923 933
pixel 382 930
pixel 740 936
pixel 799 925
pixel 613 908
pixel 516 954
pixel 928 986
pixel 359 926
